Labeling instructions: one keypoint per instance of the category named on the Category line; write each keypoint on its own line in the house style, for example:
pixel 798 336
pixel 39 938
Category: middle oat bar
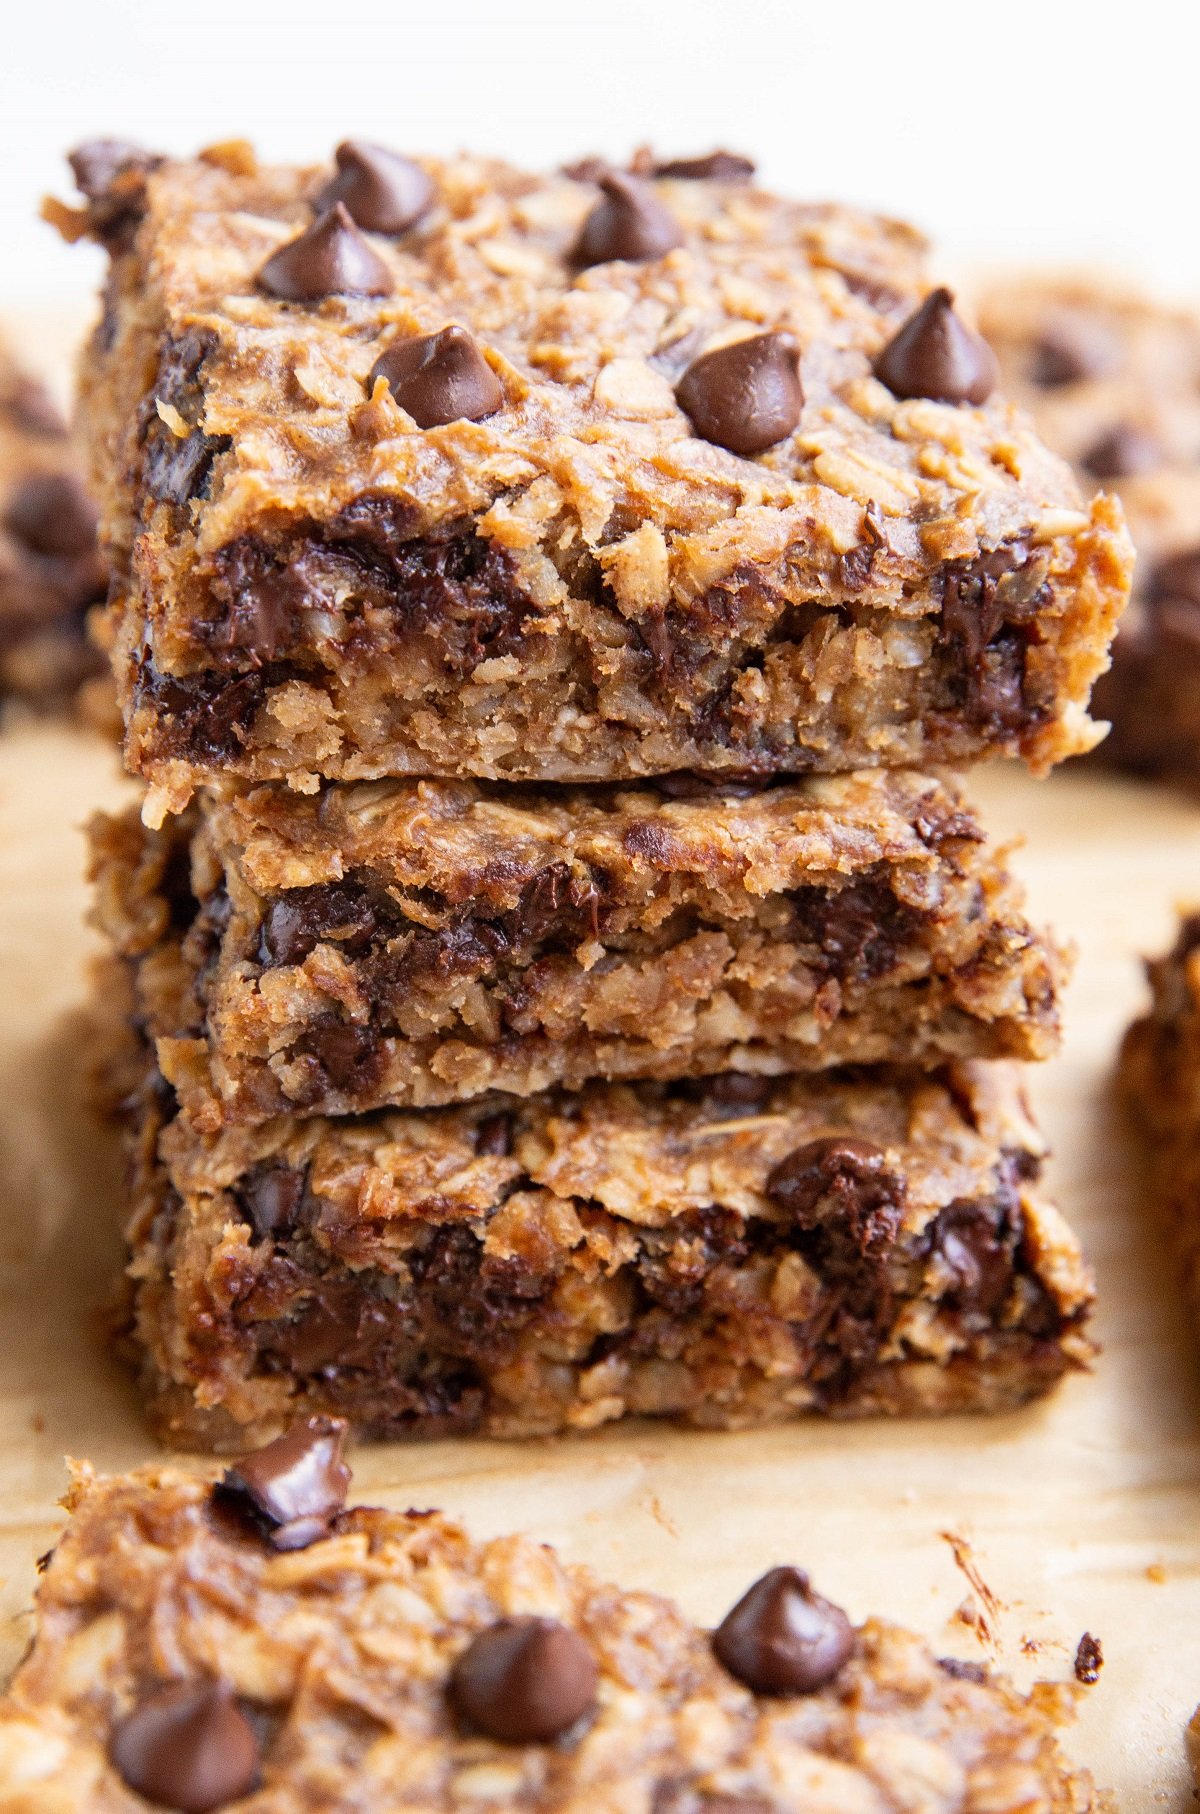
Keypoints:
pixel 421 943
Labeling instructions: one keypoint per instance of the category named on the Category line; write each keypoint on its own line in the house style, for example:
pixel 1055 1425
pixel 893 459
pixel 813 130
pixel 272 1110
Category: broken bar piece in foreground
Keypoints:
pixel 197 1648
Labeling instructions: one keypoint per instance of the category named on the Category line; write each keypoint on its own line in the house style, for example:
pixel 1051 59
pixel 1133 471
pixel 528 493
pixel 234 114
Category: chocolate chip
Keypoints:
pixel 294 1487
pixel 975 1242
pixel 177 468
pixel 713 167
pixel 342 1049
pixel 524 1681
pixel 271 1195
pixel 52 514
pixel 1089 1660
pixel 299 919
pixel 493 1137
pixel 781 1638
pixel 738 1090
pixel 97 164
pixel 330 258
pixel 746 396
pixel 1126 450
pixel 383 192
pixel 1072 349
pixel 439 378
pixel 806 1174
pixel 936 355
pixel 1178 576
pixel 35 410
pixel 188 1747
pixel 629 223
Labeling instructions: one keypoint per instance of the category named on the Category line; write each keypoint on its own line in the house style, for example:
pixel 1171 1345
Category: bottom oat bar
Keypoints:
pixel 252 1644
pixel 727 1253
pixel 1160 1079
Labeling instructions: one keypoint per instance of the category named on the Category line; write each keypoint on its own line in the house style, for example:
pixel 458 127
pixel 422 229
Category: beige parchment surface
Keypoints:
pixel 1066 1507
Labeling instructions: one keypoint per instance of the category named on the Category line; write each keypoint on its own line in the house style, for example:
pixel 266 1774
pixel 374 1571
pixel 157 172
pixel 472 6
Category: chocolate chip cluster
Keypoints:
pixel 745 396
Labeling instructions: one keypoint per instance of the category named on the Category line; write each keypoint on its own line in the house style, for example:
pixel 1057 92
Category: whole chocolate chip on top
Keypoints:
pixel 781 1638
pixel 189 1747
pixel 936 355
pixel 382 191
pixel 745 396
pixel 713 167
pixel 52 514
pixel 97 164
pixel 294 1487
pixel 439 378
pixel 330 258
pixel 628 223
pixel 524 1681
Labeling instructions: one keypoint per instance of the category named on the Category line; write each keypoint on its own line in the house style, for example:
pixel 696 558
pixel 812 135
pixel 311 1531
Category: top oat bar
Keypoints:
pixel 620 557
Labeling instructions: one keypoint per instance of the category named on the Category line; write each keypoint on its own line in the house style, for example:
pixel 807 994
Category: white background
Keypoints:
pixel 1009 129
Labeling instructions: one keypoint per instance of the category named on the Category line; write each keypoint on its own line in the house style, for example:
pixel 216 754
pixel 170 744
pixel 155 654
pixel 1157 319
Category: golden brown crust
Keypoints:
pixel 424 942
pixel 341 1653
pixel 630 592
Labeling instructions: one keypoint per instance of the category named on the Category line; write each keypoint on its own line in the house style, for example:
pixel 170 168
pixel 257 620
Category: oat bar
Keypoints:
pixel 726 1253
pixel 195 1649
pixel 423 942
pixel 450 469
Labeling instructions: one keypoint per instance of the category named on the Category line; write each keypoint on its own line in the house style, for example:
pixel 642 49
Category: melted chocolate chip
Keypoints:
pixel 330 258
pixel 737 1091
pixel 745 396
pixel 1177 577
pixel 713 167
pixel 177 468
pixel 975 1243
pixel 271 1196
pixel 383 192
pixel 299 919
pixel 846 1207
pixel 936 355
pixel 629 223
pixel 294 1487
pixel 781 1638
pixel 1089 1660
pixel 524 1681
pixel 52 514
pixel 1126 450
pixel 493 1137
pixel 343 1051
pixel 190 1748
pixel 439 378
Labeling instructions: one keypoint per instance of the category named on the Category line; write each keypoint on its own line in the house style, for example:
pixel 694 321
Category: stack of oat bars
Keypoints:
pixel 560 973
